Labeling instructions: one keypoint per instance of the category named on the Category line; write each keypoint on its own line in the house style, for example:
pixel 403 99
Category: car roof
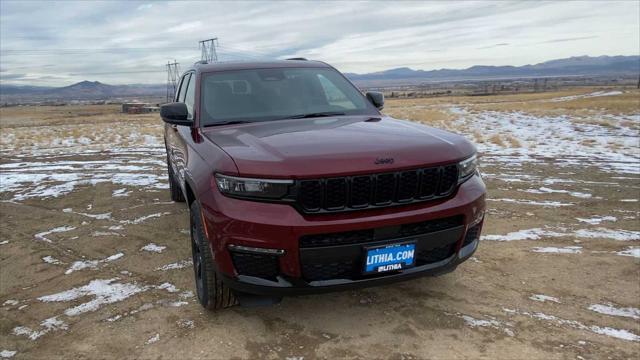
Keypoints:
pixel 246 65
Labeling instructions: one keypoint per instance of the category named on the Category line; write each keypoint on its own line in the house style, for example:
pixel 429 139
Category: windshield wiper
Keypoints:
pixel 315 115
pixel 228 123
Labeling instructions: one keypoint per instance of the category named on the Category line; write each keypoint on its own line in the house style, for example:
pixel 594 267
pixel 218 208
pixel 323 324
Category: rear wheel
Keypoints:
pixel 174 186
pixel 212 293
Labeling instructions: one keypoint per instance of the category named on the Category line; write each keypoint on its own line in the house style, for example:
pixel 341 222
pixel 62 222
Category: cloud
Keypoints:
pixel 129 42
pixel 570 39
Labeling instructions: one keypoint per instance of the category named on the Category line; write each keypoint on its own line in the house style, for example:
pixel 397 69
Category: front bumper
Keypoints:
pixel 279 226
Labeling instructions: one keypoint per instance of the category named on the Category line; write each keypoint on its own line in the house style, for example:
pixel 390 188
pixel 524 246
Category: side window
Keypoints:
pixel 335 96
pixel 189 98
pixel 183 88
pixel 182 85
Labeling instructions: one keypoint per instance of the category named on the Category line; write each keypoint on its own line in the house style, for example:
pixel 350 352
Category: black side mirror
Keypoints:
pixel 376 98
pixel 175 113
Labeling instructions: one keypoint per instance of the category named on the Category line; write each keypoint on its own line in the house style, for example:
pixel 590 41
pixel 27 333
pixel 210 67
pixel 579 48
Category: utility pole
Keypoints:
pixel 208 48
pixel 173 74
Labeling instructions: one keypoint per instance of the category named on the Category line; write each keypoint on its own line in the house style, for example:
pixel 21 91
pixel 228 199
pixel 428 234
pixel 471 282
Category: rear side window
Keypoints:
pixel 189 98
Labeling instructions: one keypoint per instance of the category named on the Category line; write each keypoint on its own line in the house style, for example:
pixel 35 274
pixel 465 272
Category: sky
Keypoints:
pixel 58 43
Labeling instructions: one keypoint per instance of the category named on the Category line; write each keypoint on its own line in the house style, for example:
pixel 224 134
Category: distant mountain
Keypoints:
pixel 579 65
pixel 84 90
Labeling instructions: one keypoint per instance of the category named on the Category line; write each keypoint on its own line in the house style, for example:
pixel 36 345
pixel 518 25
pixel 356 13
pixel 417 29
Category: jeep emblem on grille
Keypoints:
pixel 381 161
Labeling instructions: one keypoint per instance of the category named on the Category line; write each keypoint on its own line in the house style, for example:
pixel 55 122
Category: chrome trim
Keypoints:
pixel 249 249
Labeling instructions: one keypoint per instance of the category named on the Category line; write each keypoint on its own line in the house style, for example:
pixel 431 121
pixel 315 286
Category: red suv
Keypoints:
pixel 297 184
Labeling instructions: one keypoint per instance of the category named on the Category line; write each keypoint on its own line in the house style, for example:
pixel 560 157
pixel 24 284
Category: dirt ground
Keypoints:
pixel 94 258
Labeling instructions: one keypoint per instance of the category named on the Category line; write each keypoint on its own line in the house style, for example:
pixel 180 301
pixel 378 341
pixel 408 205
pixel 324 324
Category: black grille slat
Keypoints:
pixel 311 194
pixel 429 182
pixel 376 190
pixel 448 179
pixel 336 193
pixel 360 191
pixel 407 185
pixel 385 189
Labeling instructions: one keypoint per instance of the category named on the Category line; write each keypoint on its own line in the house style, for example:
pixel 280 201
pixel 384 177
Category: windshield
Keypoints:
pixel 269 94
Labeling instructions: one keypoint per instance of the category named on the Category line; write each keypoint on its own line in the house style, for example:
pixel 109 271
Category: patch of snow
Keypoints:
pixel 590 95
pixel 175 266
pixel 596 220
pixel 144 218
pixel 546 190
pixel 42 236
pixel 186 324
pixel 48 325
pixel 151 247
pixel 4 242
pixel 631 251
pixel 169 287
pixel 91 264
pixel 115 227
pixel 532 202
pixel 544 298
pixel 616 333
pixel 556 250
pixel 603 233
pixel 609 309
pixel 52 260
pixel 105 216
pixel 629 200
pixel 10 302
pixel 529 234
pixel 120 193
pixel 104 292
pixel 7 354
pixel 153 339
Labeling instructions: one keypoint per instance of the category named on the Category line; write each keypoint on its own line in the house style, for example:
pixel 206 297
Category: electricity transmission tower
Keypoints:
pixel 208 48
pixel 173 74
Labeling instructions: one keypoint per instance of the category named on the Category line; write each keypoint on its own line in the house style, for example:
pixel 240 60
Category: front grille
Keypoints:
pixel 390 232
pixel 341 255
pixel 472 235
pixel 377 190
pixel 258 265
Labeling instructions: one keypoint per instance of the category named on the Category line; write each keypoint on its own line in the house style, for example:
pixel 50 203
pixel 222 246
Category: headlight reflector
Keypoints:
pixel 467 168
pixel 252 188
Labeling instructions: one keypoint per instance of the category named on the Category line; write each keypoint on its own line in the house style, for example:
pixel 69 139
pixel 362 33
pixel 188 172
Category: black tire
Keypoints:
pixel 212 293
pixel 174 187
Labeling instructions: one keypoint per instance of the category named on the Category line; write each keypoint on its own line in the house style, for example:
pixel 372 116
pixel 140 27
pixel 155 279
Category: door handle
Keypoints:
pixel 174 127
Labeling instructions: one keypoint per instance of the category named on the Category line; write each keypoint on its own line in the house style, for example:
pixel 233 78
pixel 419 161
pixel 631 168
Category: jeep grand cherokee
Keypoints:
pixel 297 183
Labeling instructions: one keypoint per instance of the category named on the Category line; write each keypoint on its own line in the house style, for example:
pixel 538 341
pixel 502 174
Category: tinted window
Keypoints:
pixel 189 98
pixel 268 94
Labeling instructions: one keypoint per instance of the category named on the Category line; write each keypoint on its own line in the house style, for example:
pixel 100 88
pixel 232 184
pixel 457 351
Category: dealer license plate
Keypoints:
pixel 389 258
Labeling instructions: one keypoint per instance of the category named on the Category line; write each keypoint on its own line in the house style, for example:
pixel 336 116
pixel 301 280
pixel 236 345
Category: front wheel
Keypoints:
pixel 212 293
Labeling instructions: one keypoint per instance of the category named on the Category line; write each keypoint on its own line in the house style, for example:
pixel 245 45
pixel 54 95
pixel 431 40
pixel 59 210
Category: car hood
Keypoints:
pixel 303 148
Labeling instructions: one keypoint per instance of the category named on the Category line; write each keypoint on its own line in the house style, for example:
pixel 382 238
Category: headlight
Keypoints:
pixel 467 168
pixel 252 188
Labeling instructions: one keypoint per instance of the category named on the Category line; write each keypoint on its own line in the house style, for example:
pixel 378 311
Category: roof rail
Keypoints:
pixel 298 58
